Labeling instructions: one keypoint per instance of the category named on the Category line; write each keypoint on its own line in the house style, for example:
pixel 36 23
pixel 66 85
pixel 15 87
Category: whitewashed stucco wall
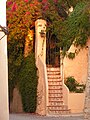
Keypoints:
pixel 4 112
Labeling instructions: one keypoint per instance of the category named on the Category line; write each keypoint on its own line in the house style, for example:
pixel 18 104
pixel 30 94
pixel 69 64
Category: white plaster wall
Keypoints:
pixel 78 66
pixel 76 102
pixel 3 12
pixel 4 112
pixel 40 42
pixel 40 55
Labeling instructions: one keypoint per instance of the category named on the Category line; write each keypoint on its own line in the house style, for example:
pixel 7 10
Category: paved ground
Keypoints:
pixel 37 117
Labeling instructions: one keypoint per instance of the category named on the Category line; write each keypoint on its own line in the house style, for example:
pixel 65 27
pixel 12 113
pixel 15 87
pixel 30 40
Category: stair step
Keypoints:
pixel 58 107
pixel 55 89
pixel 55 85
pixel 58 112
pixel 55 93
pixel 55 97
pixel 53 69
pixel 56 101
pixel 54 80
pixel 53 73
pixel 54 77
pixel 57 104
pixel 59 96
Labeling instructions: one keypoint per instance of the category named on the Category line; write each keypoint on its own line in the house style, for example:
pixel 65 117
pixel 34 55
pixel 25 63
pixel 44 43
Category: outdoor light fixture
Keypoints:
pixel 42 33
pixel 3 29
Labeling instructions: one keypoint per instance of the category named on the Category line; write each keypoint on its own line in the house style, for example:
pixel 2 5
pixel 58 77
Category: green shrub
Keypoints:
pixel 80 88
pixel 71 55
pixel 28 83
pixel 73 85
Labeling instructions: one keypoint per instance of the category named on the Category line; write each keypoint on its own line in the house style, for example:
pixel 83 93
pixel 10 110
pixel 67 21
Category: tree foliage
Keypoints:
pixel 76 28
pixel 66 26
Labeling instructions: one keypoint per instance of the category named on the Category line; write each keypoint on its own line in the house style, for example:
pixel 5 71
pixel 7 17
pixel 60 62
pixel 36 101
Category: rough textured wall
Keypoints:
pixel 41 90
pixel 77 67
pixel 16 104
pixel 40 55
pixel 87 93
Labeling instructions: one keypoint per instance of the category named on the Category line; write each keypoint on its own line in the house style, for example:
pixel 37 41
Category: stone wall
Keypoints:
pixel 87 97
pixel 16 104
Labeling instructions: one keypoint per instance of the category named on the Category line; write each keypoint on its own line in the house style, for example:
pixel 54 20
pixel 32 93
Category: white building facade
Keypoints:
pixel 4 107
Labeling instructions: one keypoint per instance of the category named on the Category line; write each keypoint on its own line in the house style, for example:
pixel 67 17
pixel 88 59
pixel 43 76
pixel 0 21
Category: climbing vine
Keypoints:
pixel 28 83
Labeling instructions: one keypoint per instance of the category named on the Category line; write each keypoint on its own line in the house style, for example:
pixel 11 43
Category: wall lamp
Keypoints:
pixel 5 30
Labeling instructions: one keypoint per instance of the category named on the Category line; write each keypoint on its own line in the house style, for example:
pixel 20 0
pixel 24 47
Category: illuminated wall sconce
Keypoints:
pixel 3 29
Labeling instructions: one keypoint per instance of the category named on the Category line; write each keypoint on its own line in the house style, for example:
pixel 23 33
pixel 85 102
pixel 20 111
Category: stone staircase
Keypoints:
pixel 55 92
